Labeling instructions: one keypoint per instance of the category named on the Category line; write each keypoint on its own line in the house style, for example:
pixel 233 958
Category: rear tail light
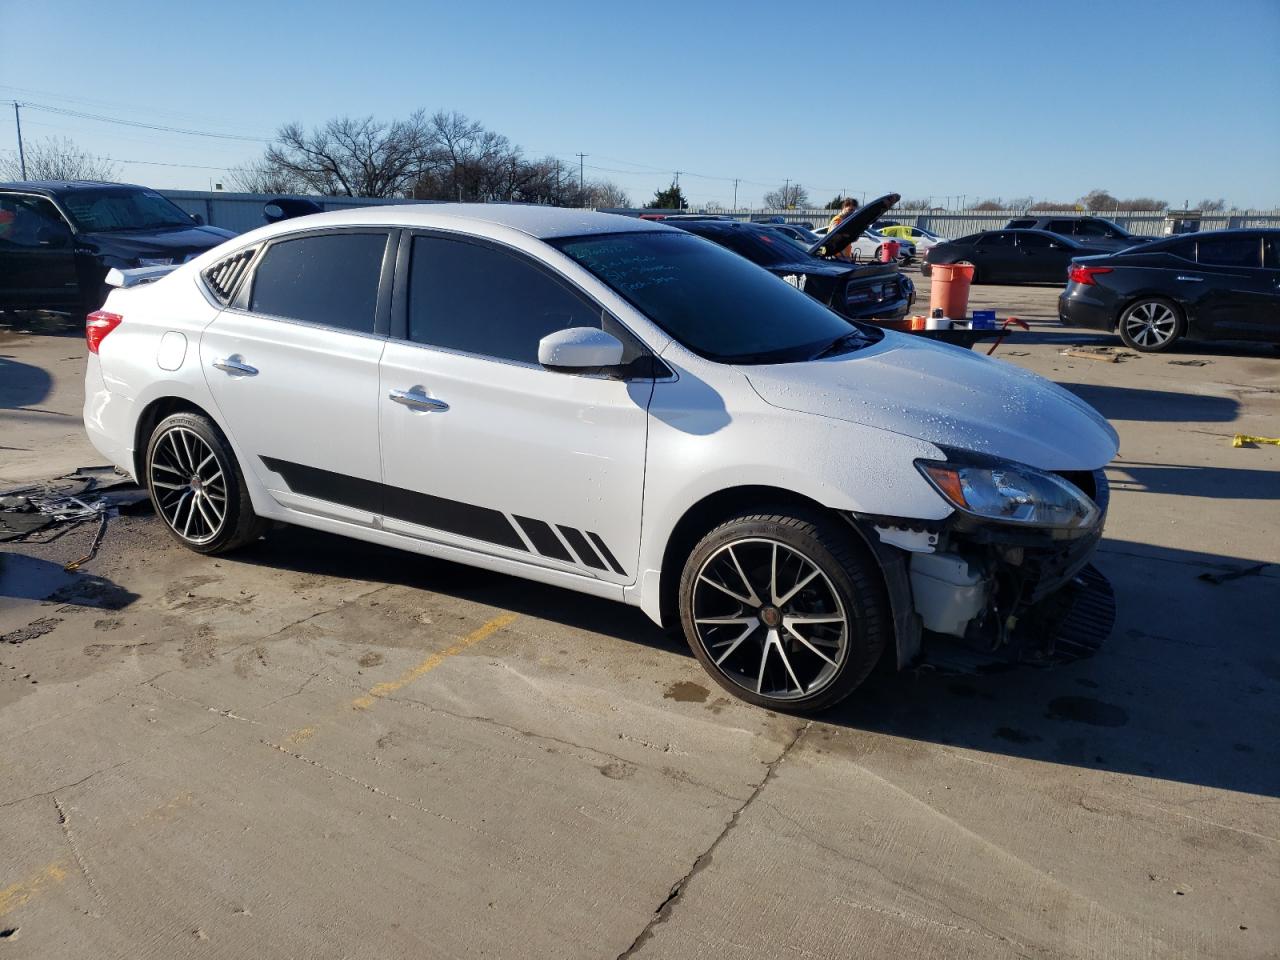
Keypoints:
pixel 1085 275
pixel 97 325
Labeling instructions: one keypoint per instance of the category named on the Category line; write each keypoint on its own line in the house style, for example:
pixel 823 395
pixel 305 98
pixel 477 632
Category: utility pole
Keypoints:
pixel 581 187
pixel 22 157
pixel 735 194
pixel 786 193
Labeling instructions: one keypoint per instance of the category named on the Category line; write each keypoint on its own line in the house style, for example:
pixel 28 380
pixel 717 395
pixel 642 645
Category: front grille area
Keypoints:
pixel 225 275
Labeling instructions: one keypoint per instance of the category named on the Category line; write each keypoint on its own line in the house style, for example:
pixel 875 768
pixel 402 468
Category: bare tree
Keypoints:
pixel 921 203
pixel 57 158
pixel 352 157
pixel 995 204
pixel 787 196
pixel 1212 206
pixel 261 176
pixel 603 193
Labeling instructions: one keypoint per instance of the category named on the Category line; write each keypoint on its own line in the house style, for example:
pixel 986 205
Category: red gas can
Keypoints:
pixel 889 251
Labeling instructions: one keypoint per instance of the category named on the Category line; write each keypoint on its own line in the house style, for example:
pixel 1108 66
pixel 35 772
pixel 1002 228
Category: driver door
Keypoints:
pixel 37 256
pixel 484 449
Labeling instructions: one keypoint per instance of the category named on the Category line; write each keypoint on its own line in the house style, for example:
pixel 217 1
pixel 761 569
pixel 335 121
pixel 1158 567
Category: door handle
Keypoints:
pixel 235 367
pixel 1193 279
pixel 417 400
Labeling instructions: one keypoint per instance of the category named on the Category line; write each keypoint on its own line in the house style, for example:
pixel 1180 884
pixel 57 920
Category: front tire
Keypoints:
pixel 785 610
pixel 1151 325
pixel 196 486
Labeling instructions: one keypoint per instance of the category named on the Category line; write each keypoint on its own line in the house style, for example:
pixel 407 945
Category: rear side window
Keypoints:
pixel 1271 252
pixel 1037 241
pixel 1186 249
pixel 997 240
pixel 479 299
pixel 329 279
pixel 1237 251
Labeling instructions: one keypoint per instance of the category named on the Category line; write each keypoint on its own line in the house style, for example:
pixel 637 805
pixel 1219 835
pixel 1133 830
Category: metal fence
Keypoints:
pixel 243 211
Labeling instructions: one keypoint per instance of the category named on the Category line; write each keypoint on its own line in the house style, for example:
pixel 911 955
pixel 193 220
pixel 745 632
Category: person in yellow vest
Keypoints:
pixel 847 209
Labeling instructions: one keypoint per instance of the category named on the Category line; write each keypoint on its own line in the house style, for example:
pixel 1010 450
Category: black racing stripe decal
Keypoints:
pixel 605 552
pixel 581 547
pixel 544 539
pixel 451 516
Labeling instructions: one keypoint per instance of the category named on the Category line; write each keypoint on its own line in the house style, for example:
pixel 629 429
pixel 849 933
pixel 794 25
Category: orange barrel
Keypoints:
pixel 949 289
pixel 889 251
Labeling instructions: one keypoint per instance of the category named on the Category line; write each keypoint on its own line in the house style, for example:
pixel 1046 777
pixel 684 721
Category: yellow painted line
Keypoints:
pixel 15 895
pixel 433 661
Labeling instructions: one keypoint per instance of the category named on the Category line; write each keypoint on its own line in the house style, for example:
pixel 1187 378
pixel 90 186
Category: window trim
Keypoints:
pixel 399 310
pixel 382 303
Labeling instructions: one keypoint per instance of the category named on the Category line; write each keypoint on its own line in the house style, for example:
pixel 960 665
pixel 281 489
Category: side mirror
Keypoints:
pixel 577 349
pixel 198 219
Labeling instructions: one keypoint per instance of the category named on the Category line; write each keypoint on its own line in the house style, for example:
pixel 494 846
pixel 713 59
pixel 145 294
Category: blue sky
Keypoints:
pixel 1180 100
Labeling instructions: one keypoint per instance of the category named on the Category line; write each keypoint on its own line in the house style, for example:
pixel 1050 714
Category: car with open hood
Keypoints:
pixel 58 239
pixel 860 291
pixel 616 407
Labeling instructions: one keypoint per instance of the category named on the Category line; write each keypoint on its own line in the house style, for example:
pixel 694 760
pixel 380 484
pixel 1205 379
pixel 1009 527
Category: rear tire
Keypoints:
pixel 1151 325
pixel 786 610
pixel 196 486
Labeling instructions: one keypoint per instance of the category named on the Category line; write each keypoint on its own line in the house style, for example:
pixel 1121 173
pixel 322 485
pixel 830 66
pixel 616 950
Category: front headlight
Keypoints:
pixel 1011 493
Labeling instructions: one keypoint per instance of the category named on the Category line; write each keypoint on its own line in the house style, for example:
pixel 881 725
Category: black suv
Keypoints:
pixel 860 291
pixel 1094 231
pixel 58 239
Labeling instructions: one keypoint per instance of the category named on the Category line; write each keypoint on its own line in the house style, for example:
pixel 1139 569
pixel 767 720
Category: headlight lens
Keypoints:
pixel 1011 493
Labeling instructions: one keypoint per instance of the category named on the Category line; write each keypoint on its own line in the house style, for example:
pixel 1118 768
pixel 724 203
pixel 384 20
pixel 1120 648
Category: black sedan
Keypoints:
pixel 59 238
pixel 860 291
pixel 1223 284
pixel 1011 256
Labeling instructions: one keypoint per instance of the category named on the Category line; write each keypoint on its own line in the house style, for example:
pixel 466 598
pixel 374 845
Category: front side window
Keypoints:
pixel 997 240
pixel 1234 251
pixel 27 221
pixel 1034 241
pixel 1096 228
pixel 1066 227
pixel 112 209
pixel 718 304
pixel 479 299
pixel 329 279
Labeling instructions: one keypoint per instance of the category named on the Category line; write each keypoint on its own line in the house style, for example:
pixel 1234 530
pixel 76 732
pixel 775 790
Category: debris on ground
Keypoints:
pixel 1236 574
pixel 1191 363
pixel 89 494
pixel 1105 354
pixel 1244 440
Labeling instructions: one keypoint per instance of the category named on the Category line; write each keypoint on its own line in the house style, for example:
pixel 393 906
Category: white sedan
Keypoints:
pixel 867 247
pixel 609 405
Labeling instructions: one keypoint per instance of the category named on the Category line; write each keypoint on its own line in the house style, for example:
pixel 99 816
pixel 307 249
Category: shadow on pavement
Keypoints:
pixel 21 384
pixel 1185 690
pixel 31 578
pixel 1154 406
pixel 1226 483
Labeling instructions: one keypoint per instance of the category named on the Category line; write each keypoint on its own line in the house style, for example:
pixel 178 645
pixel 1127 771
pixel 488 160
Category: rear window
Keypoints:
pixel 329 279
pixel 1233 251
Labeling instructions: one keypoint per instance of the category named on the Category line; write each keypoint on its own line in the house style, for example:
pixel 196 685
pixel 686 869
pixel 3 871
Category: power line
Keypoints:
pixel 83 115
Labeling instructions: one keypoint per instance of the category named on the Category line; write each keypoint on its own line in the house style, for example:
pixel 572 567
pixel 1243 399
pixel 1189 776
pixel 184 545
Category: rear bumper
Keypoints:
pixel 1078 307
pixel 108 419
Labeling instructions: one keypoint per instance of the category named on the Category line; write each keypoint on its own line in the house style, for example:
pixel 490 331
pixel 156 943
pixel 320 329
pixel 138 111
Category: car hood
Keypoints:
pixel 946 396
pixel 160 243
pixel 853 226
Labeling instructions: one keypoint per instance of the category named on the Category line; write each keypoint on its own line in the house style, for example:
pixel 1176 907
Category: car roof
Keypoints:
pixel 541 222
pixel 58 187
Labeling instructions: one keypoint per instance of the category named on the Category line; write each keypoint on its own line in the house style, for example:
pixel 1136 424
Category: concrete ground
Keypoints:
pixel 317 748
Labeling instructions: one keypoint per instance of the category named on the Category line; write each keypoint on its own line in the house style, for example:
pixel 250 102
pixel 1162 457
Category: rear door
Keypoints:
pixel 293 368
pixel 483 448
pixel 1239 295
pixel 37 256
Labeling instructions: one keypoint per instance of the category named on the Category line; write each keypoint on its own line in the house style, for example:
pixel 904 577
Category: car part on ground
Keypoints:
pixel 679 416
pixel 1217 285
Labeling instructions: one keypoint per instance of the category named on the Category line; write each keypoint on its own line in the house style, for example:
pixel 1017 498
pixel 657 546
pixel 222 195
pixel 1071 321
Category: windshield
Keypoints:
pixel 712 301
pixel 97 211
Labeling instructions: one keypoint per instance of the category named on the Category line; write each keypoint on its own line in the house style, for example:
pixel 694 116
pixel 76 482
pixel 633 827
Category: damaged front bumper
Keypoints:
pixel 992 592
